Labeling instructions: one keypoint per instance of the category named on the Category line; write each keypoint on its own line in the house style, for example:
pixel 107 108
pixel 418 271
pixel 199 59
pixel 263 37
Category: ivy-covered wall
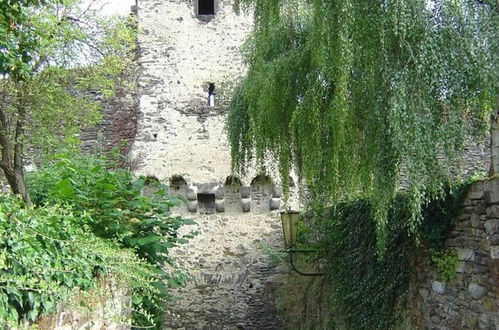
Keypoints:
pixel 470 299
pixel 446 277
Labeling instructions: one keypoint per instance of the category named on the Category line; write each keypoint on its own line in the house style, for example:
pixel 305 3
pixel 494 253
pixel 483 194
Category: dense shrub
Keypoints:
pixel 110 201
pixel 47 254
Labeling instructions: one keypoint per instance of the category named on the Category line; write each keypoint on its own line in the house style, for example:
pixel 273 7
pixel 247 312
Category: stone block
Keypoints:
pixel 477 291
pixel 192 206
pixel 438 287
pixel 246 206
pixel 492 227
pixel 494 240
pixel 245 191
pixel 275 203
pixel 492 212
pixel 463 224
pixel 466 254
pixel 475 221
pixel 277 192
pixel 476 194
pixel 191 195
pixel 494 252
pixel 207 188
pixel 220 193
pixel 219 206
pixel 491 196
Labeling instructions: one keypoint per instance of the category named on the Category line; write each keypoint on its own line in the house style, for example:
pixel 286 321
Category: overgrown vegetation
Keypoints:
pixel 48 253
pixel 111 202
pixel 364 290
pixel 355 93
pixel 55 56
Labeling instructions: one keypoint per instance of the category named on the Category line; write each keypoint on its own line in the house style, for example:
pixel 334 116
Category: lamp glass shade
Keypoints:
pixel 289 227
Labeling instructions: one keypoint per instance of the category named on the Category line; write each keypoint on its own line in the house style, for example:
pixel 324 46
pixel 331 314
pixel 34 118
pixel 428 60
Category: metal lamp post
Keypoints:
pixel 289 221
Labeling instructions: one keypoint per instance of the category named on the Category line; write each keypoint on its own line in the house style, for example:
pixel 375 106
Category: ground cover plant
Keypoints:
pixel 48 254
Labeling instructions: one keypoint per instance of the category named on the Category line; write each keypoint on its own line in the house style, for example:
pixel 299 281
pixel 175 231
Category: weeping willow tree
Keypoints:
pixel 357 92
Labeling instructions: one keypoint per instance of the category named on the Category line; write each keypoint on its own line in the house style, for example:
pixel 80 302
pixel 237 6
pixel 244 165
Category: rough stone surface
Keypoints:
pixel 230 285
pixel 108 307
pixel 471 300
pixel 180 55
pixel 178 133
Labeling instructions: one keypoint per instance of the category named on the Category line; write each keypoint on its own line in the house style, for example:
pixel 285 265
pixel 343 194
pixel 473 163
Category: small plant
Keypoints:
pixel 275 257
pixel 445 262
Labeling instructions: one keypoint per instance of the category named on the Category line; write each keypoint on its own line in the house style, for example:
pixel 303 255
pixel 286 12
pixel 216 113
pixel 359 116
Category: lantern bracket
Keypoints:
pixel 291 261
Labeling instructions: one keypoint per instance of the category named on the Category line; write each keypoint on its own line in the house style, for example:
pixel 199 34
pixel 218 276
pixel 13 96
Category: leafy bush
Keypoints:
pixel 115 207
pixel 445 262
pixel 47 253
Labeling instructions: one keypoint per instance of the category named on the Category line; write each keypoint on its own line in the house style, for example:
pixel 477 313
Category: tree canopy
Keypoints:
pixel 357 92
pixel 54 56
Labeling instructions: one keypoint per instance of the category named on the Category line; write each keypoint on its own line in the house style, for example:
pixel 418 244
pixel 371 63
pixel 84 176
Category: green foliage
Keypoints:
pixel 445 263
pixel 115 208
pixel 47 255
pixel 357 92
pixel 368 292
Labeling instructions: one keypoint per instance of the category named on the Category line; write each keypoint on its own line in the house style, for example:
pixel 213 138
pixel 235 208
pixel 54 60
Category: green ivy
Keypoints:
pixel 47 254
pixel 115 208
pixel 445 263
pixel 368 290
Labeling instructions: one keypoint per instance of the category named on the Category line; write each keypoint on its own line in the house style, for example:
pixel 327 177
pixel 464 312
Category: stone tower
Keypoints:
pixel 186 45
pixel 189 54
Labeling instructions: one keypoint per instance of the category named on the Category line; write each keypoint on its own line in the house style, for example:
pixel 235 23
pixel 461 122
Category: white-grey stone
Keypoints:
pixel 245 192
pixel 219 206
pixel 492 226
pixel 277 192
pixel 477 291
pixel 275 204
pixel 494 252
pixel 438 287
pixel 191 195
pixel 192 206
pixel 466 254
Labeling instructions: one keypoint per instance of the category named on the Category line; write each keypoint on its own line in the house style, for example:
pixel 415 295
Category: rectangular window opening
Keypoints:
pixel 206 7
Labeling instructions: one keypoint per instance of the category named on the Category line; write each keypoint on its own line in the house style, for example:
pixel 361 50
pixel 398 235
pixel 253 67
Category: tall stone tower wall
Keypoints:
pixel 182 52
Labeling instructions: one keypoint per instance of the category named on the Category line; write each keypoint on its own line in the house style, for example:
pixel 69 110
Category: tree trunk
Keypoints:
pixel 12 150
pixel 494 144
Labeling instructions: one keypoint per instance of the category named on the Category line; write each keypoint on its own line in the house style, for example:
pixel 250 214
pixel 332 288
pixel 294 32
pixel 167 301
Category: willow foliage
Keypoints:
pixel 355 92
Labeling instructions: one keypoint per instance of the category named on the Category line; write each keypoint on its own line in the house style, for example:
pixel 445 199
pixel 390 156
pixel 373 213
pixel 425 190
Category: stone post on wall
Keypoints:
pixel 494 143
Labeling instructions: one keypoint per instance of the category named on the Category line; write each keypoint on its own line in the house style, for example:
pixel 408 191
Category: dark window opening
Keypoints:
pixel 177 183
pixel 211 95
pixel 206 203
pixel 206 7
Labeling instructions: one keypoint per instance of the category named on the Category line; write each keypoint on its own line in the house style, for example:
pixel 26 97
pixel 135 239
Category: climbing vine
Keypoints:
pixel 368 292
pixel 355 93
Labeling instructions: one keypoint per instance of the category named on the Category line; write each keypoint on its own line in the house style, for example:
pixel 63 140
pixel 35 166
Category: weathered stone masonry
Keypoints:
pixel 181 54
pixel 471 301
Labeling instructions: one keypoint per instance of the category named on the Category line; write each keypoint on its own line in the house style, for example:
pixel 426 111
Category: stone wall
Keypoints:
pixel 471 301
pixel 232 280
pixel 181 53
pixel 107 307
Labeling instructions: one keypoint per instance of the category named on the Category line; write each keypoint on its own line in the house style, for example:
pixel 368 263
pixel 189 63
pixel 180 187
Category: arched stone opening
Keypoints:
pixel 232 194
pixel 261 193
pixel 178 185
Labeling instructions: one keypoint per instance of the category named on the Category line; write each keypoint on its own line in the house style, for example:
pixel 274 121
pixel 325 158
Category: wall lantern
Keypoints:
pixel 289 221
